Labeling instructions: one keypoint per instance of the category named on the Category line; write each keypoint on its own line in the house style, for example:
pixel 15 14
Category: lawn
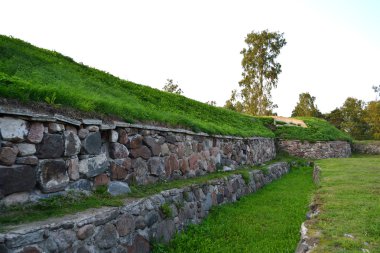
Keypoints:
pixel 267 221
pixel 349 199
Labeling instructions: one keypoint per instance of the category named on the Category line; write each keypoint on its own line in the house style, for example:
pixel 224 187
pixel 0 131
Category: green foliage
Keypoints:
pixel 28 73
pixel 166 210
pixel 260 73
pixel 171 87
pixel 306 107
pixel 267 221
pixel 317 130
pixel 349 202
pixel 372 118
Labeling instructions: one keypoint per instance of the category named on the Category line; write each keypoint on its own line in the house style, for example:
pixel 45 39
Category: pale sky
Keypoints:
pixel 332 51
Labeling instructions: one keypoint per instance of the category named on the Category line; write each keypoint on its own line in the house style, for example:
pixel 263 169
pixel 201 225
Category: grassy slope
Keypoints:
pixel 29 73
pixel 317 130
pixel 268 221
pixel 350 204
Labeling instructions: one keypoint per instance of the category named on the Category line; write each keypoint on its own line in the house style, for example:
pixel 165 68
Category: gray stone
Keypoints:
pixel 80 185
pixel 28 160
pixel 55 128
pixel 52 175
pixel 165 149
pixel 65 239
pixel 73 168
pixel 153 144
pixel 116 188
pixel 156 166
pixel 16 199
pixel 140 245
pixel 72 144
pixel 118 151
pixel 71 129
pixel 26 149
pixel 17 178
pixel 140 171
pixel 52 146
pixel 107 237
pixel 125 224
pixel 93 166
pixel 8 155
pixel 13 240
pixel 165 231
pixel 123 137
pixel 171 164
pixel 151 218
pixel 92 144
pixel 82 133
pixel 13 129
pixel 93 128
pixel 85 232
pixel 114 136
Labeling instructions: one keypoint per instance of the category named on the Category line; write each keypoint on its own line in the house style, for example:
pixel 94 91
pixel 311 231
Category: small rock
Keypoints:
pixel 226 168
pixel 101 179
pixel 26 149
pixel 8 155
pixel 73 168
pixel 16 199
pixel 85 231
pixel 140 245
pixel 71 129
pixel 123 137
pixel 13 129
pixel 92 144
pixel 140 171
pixel 80 185
pixel 349 236
pixel 118 188
pixel 93 128
pixel 165 149
pixel 125 224
pixel 118 151
pixel 36 132
pixel 142 151
pixel 171 164
pixel 55 128
pixel 120 168
pixel 82 133
pixel 114 136
pixel 107 237
pixel 135 141
pixel 156 166
pixel 28 160
pixel 153 144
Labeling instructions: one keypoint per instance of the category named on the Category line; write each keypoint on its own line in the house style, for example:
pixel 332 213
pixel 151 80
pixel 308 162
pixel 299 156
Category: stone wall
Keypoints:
pixel 131 227
pixel 315 150
pixel 366 148
pixel 42 155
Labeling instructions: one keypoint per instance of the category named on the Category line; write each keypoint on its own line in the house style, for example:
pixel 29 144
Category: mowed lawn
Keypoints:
pixel 267 221
pixel 350 205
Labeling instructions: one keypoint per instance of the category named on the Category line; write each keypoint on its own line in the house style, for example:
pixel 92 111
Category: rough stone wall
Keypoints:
pixel 131 227
pixel 315 150
pixel 41 155
pixel 366 148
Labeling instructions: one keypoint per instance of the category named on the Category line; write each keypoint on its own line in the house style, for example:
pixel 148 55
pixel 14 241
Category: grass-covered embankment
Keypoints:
pixel 28 73
pixel 349 199
pixel 267 221
pixel 317 130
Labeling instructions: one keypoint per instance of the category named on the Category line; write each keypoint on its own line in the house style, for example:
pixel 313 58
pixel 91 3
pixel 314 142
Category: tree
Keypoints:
pixel 171 87
pixel 306 106
pixel 372 118
pixel 260 73
pixel 353 115
pixel 335 117
pixel 376 89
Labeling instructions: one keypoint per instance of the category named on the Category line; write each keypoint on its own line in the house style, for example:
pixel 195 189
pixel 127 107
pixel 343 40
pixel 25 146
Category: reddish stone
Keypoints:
pixel 180 150
pixel 31 249
pixel 85 231
pixel 118 151
pixel 153 144
pixel 184 165
pixel 120 168
pixel 139 245
pixel 135 141
pixel 71 129
pixel 36 132
pixel 8 155
pixel 142 151
pixel 171 164
pixel 123 137
pixel 73 168
pixel 205 154
pixel 193 162
pixel 125 224
pixel 101 179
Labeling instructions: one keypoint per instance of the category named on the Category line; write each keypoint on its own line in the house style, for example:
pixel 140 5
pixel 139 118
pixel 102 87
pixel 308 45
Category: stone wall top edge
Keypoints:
pixel 310 141
pixel 37 117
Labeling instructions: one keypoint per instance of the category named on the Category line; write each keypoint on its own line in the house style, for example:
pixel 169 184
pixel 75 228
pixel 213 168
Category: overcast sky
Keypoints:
pixel 332 51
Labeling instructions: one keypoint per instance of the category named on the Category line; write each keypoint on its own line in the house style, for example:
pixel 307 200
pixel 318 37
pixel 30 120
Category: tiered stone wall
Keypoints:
pixel 367 148
pixel 41 155
pixel 131 227
pixel 315 150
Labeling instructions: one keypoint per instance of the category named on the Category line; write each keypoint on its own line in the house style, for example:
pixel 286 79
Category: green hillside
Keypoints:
pixel 29 73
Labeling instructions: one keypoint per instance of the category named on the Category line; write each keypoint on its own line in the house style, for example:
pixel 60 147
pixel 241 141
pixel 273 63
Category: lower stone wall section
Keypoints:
pixel 366 148
pixel 132 227
pixel 315 150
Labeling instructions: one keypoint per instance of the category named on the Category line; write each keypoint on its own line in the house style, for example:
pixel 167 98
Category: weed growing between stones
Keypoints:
pixel 166 210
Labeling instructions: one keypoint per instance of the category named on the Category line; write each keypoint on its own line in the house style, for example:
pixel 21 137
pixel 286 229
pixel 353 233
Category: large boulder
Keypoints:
pixel 17 178
pixel 120 168
pixel 94 166
pixel 118 151
pixel 52 146
pixel 142 151
pixel 13 129
pixel 72 144
pixel 118 188
pixel 52 175
pixel 92 144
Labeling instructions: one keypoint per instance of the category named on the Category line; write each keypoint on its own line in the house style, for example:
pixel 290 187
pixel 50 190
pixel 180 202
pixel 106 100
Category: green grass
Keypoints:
pixel 317 130
pixel 267 221
pixel 350 204
pixel 374 142
pixel 28 73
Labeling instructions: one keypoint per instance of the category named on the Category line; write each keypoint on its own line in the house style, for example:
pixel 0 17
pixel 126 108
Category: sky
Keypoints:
pixel 332 51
